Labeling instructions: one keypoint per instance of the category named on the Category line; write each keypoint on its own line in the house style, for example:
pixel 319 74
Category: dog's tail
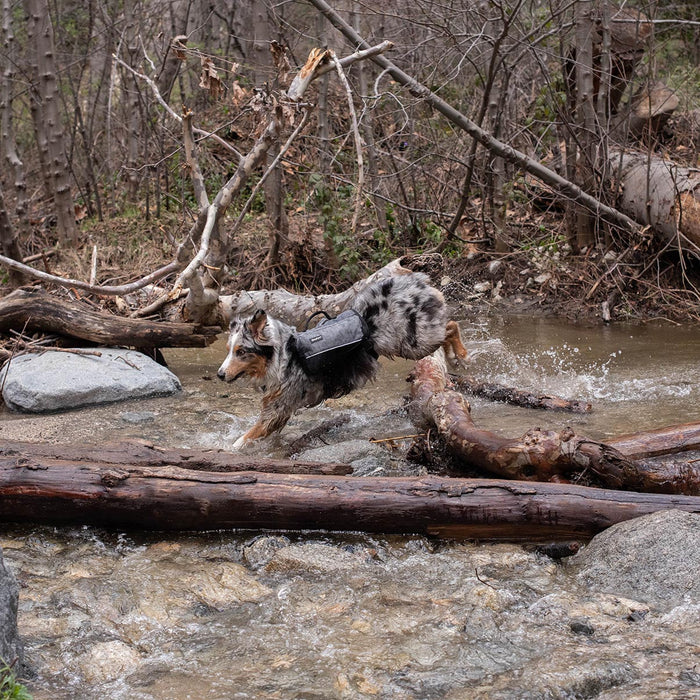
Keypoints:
pixel 405 316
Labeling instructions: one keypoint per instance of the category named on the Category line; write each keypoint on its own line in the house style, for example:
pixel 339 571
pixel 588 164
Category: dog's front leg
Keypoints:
pixel 266 425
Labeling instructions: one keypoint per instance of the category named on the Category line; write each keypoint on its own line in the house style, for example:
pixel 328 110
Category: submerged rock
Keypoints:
pixel 106 661
pixel 55 381
pixel 10 647
pixel 347 452
pixel 654 559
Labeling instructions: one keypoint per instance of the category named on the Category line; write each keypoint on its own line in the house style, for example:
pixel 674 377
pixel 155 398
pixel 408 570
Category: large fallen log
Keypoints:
pixel 141 453
pixel 660 193
pixel 538 455
pixel 36 310
pixel 170 498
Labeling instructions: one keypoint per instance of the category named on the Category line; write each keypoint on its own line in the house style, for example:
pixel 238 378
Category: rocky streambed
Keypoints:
pixel 222 615
pixel 226 614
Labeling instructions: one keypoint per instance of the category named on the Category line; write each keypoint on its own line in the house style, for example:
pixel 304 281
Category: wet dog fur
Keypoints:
pixel 405 317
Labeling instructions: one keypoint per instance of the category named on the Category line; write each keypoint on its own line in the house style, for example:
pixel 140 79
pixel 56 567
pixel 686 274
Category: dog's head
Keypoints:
pixel 250 348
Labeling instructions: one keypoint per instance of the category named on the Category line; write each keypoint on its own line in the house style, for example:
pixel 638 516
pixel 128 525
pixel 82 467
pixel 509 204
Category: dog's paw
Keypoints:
pixel 240 443
pixel 458 363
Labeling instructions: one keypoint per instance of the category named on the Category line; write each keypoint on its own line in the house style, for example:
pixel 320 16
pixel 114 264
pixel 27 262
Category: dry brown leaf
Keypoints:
pixel 209 79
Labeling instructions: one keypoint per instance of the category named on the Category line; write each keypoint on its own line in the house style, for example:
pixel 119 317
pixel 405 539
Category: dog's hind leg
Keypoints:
pixel 453 345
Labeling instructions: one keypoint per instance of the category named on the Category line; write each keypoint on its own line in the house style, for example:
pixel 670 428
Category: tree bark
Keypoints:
pixel 37 310
pixel 140 453
pixel 294 309
pixel 9 242
pixel 539 455
pixel 662 441
pixel 7 131
pixel 47 118
pixel 171 498
pixel 586 123
pixel 661 194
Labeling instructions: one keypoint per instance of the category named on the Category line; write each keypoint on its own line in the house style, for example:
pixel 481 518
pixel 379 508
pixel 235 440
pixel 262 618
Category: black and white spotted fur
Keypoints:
pixel 405 317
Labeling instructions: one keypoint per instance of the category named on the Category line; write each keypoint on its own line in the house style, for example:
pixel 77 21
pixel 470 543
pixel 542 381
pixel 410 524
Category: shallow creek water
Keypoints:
pixel 316 615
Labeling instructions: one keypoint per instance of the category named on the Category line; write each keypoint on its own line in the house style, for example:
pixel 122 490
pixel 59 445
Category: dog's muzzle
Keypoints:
pixel 221 374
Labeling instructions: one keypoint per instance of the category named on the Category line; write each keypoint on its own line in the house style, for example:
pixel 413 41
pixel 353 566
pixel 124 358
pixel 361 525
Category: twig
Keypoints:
pixel 271 167
pixel 397 437
pixel 73 351
pixel 358 143
pixel 172 112
pixel 93 265
pixel 107 290
pixel 39 256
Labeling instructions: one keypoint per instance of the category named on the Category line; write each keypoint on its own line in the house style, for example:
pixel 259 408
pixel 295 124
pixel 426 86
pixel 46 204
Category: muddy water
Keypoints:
pixel 282 615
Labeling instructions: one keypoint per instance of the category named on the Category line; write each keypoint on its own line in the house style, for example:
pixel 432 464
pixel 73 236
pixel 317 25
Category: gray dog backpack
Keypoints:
pixel 324 346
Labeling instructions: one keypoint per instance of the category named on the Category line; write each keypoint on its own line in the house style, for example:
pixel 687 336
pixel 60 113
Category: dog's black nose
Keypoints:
pixel 221 375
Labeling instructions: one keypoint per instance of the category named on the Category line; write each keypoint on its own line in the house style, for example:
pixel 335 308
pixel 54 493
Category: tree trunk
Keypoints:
pixel 9 243
pixel 539 455
pixel 48 121
pixel 662 441
pixel 140 453
pixel 171 498
pixel 661 194
pixel 587 128
pixel 648 113
pixel 36 310
pixel 273 186
pixel 294 309
pixel 7 132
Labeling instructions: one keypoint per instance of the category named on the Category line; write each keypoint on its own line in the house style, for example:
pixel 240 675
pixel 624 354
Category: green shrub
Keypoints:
pixel 10 687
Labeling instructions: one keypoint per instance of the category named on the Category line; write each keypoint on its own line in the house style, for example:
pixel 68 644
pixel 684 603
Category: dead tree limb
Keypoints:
pixel 106 290
pixel 659 193
pixel 171 498
pixel 517 397
pixel 37 310
pixel 662 441
pixel 141 453
pixel 296 308
pixel 539 455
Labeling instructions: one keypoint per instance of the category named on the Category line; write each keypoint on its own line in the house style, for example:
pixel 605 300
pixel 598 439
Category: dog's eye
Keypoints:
pixel 241 352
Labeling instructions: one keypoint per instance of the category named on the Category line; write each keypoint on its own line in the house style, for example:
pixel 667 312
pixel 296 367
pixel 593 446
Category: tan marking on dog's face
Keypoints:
pixel 240 363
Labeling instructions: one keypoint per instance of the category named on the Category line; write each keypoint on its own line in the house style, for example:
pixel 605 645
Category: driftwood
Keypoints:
pixel 662 441
pixel 140 453
pixel 517 397
pixel 539 455
pixel 37 310
pixel 171 498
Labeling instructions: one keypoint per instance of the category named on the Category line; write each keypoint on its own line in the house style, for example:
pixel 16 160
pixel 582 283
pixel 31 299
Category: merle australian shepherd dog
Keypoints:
pixel 401 316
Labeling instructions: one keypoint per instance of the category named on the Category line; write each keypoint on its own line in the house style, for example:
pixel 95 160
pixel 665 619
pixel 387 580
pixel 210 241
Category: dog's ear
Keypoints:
pixel 257 326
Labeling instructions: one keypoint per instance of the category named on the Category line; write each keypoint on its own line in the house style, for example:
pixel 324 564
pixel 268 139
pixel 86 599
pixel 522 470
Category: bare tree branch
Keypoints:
pixel 107 290
pixel 566 187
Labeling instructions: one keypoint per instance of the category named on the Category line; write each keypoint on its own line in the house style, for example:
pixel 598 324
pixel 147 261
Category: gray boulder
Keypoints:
pixel 55 381
pixel 654 559
pixel 10 647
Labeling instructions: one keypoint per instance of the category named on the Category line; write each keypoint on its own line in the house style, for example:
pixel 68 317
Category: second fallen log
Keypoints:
pixel 171 498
